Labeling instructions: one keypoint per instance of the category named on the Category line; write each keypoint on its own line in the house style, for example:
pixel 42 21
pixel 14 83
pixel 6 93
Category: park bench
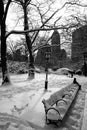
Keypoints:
pixel 59 103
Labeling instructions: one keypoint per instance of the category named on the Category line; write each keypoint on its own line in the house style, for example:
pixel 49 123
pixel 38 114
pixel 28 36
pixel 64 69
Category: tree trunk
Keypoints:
pixel 5 75
pixel 1 10
pixel 29 45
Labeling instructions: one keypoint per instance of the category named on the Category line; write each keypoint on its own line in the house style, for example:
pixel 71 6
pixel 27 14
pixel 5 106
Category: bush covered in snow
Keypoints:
pixel 17 67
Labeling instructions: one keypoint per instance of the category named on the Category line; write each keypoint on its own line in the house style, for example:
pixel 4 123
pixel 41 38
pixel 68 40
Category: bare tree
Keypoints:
pixel 5 74
pixel 47 20
pixel 27 37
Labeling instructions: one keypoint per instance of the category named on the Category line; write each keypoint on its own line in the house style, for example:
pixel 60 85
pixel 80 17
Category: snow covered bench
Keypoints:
pixel 59 103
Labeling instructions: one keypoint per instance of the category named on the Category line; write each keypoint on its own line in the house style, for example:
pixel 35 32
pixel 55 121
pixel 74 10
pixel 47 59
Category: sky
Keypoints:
pixel 14 14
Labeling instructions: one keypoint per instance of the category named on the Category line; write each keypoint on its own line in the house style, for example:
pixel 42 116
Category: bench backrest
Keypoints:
pixel 58 95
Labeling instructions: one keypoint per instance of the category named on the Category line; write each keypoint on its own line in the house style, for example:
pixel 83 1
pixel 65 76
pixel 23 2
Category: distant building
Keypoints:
pixel 57 55
pixel 79 43
pixel 57 52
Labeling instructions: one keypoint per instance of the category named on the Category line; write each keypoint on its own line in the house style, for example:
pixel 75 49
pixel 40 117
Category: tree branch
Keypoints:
pixel 47 45
pixel 39 29
pixel 67 3
pixel 6 10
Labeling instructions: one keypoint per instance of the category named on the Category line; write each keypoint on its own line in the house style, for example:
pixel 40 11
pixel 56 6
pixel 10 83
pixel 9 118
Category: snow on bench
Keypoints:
pixel 59 103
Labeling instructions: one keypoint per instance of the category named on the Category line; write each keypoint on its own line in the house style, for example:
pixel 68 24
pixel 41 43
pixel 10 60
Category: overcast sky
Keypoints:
pixel 14 15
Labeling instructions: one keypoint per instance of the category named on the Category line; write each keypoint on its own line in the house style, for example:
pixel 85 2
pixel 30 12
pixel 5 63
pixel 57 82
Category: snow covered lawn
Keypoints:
pixel 21 105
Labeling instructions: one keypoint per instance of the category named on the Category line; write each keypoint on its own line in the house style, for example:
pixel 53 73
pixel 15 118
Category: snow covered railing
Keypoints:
pixel 59 103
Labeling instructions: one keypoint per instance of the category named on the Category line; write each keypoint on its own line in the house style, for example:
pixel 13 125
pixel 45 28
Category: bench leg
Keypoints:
pixel 46 117
pixel 47 121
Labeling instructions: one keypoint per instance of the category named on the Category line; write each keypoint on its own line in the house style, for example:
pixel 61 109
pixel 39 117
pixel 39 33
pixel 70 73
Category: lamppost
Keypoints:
pixel 47 56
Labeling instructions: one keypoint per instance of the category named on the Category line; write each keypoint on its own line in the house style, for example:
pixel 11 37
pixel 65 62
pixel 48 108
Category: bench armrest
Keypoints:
pixel 46 105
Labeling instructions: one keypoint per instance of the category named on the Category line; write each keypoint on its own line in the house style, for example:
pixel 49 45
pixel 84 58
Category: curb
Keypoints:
pixel 84 123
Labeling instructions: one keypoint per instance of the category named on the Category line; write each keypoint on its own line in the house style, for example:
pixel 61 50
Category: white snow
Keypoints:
pixel 23 98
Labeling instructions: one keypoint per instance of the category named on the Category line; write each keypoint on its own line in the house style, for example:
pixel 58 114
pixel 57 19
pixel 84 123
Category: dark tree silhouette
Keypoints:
pixel 3 14
pixel 1 10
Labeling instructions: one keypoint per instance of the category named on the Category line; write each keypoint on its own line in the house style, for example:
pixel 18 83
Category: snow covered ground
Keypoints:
pixel 21 105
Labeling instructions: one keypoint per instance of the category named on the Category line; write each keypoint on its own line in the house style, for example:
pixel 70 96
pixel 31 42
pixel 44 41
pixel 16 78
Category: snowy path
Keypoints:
pixel 23 99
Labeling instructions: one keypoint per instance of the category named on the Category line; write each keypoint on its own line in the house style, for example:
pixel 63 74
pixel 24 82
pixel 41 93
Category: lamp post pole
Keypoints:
pixel 46 81
pixel 46 70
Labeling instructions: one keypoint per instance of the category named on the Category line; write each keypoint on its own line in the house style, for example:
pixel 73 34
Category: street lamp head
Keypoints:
pixel 47 55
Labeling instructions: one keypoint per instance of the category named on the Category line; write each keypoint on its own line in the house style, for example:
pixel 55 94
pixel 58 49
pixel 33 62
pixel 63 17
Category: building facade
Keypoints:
pixel 79 43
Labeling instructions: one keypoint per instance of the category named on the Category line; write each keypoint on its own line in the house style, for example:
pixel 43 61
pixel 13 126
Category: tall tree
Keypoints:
pixel 24 5
pixel 3 15
pixel 28 40
pixel 1 10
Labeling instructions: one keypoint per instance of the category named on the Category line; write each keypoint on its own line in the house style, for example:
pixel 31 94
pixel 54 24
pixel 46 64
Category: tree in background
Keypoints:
pixel 28 40
pixel 17 50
